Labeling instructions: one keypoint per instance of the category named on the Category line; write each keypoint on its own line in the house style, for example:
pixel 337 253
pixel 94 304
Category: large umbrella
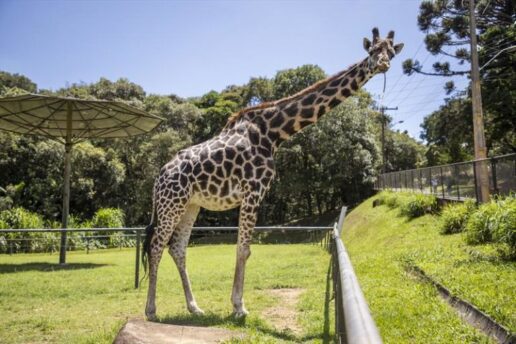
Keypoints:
pixel 70 120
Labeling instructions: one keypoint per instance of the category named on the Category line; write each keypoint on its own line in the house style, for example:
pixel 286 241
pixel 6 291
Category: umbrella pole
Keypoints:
pixel 66 184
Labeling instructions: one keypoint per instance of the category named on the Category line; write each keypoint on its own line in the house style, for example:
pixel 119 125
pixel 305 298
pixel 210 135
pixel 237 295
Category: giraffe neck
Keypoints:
pixel 289 115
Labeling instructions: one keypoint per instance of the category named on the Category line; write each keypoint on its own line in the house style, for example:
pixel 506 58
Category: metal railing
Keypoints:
pixel 105 236
pixel 454 181
pixel 353 321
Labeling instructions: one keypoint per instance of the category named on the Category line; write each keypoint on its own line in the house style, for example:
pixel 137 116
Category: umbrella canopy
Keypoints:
pixel 69 121
pixel 55 117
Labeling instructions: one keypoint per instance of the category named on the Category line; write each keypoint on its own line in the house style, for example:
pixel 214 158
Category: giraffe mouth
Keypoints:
pixel 383 67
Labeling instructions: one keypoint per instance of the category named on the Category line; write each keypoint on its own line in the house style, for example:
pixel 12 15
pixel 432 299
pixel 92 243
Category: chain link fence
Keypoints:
pixel 454 181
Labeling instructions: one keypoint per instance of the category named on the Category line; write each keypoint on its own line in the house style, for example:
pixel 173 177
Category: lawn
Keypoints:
pixel 381 244
pixel 90 300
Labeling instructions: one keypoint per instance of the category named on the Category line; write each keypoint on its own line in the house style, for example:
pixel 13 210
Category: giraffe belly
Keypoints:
pixel 216 203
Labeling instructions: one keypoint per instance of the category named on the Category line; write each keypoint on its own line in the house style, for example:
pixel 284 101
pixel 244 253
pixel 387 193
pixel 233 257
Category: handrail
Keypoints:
pixel 195 229
pixel 358 326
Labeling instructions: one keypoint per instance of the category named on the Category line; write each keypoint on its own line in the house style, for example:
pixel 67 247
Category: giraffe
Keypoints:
pixel 236 168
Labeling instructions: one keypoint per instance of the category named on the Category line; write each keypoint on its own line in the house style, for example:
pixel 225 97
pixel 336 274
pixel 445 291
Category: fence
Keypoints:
pixel 48 240
pixel 454 181
pixel 353 321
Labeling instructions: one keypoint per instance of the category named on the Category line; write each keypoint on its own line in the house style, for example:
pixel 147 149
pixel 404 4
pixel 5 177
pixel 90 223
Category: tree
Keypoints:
pixel 10 83
pixel 289 81
pixel 446 24
pixel 217 107
pixel 403 152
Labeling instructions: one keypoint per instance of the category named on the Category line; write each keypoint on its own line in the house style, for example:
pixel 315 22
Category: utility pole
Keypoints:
pixel 384 124
pixel 479 140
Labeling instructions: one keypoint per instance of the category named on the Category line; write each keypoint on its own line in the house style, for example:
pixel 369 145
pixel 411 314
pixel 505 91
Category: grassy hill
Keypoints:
pixel 382 245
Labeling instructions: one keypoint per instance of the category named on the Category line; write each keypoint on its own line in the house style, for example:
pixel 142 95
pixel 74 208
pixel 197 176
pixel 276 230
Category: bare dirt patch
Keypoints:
pixel 283 316
pixel 146 332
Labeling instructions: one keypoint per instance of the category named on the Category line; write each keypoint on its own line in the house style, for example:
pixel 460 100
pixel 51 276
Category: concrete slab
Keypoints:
pixel 138 331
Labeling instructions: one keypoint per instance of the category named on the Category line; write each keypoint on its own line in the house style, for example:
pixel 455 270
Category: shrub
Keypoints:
pixel 455 216
pixel 21 218
pixel 505 232
pixel 108 218
pixel 494 222
pixel 415 205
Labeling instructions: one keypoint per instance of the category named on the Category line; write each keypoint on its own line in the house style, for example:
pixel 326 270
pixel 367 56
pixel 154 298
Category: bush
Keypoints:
pixel 389 198
pixel 455 216
pixel 494 222
pixel 108 218
pixel 17 218
pixel 415 205
pixel 21 218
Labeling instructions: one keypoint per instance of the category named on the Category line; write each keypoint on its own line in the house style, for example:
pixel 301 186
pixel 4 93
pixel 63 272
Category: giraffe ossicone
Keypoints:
pixel 236 168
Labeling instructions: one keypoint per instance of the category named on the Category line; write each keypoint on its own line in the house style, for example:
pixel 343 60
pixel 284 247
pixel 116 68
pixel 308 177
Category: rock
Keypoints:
pixel 138 331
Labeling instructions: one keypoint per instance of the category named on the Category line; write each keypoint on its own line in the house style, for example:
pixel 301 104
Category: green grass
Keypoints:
pixel 381 244
pixel 90 300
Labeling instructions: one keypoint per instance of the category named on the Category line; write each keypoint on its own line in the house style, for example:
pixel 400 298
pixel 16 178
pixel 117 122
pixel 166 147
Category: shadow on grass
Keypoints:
pixel 327 299
pixel 46 267
pixel 256 324
pixel 211 319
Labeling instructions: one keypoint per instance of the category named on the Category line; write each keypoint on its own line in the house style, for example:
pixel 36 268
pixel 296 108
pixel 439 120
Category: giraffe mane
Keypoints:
pixel 237 115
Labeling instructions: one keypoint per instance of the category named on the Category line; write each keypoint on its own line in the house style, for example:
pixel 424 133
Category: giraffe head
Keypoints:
pixel 381 51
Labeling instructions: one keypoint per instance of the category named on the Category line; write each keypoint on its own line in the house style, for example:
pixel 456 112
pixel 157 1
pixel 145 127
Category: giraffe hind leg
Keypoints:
pixel 177 249
pixel 167 223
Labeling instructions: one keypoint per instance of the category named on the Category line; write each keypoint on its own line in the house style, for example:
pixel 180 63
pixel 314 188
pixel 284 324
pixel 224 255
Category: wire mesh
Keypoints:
pixel 454 181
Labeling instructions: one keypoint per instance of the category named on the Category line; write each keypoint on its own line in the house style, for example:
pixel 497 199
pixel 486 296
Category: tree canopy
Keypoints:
pixel 328 164
pixel 446 25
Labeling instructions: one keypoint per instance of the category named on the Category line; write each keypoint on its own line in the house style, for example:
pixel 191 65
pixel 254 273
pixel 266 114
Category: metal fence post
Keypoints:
pixel 475 180
pixel 457 181
pixel 442 180
pixel 493 174
pixel 137 262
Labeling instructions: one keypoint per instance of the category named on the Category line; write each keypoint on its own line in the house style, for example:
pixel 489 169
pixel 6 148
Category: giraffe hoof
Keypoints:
pixel 196 311
pixel 151 317
pixel 240 314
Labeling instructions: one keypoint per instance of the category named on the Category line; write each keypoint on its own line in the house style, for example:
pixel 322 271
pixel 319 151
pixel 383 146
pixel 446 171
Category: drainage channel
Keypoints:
pixel 467 311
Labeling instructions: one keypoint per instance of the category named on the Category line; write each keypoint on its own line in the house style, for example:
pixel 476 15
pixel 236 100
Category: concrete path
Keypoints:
pixel 138 331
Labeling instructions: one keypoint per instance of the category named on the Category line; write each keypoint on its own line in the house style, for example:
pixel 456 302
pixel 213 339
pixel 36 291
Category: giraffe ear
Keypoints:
pixel 367 44
pixel 398 47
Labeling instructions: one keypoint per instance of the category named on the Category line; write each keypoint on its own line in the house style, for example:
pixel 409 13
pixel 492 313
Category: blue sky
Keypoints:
pixel 191 47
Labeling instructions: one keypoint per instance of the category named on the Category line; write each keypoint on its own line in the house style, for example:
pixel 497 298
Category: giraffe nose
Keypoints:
pixel 383 65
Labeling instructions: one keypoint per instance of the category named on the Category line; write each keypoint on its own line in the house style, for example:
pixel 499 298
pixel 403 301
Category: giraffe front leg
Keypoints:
pixel 246 226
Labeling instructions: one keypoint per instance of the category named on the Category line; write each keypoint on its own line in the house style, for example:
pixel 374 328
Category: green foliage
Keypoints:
pixel 416 205
pixel 11 84
pixel 455 216
pixel 446 26
pixel 494 221
pixel 402 152
pixel 390 198
pixel 108 218
pixel 411 205
pixel 290 81
pixel 20 218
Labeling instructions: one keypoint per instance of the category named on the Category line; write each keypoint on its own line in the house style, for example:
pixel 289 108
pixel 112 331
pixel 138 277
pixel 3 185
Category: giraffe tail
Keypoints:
pixel 149 233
